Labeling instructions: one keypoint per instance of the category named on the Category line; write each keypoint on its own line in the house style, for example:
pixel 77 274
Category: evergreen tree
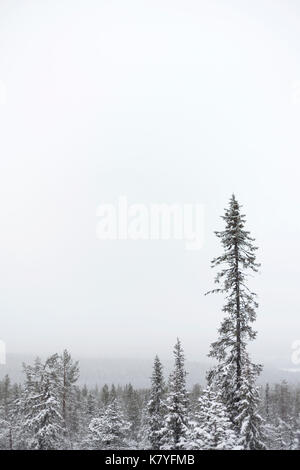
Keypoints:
pixel 235 374
pixel 156 405
pixel 143 438
pixel 7 414
pixel 113 393
pixel 194 396
pixel 248 420
pixel 173 433
pixel 91 404
pixel 110 430
pixel 75 419
pixel 132 411
pixel 285 401
pixel 211 428
pixel 69 373
pixel 41 406
pixel 105 395
pixel 285 435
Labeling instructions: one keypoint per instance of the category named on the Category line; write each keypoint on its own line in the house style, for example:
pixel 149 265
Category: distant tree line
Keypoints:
pixel 51 411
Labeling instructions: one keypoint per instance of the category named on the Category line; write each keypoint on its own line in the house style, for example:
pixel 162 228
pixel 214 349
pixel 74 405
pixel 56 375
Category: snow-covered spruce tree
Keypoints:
pixel 42 407
pixel 105 395
pixel 285 435
pixel 174 431
pixel 194 396
pixel 110 430
pixel 78 420
pixel 133 413
pixel 210 427
pixel 87 409
pixel 69 373
pixel 143 438
pixel 156 405
pixel 7 414
pixel 235 374
pixel 26 403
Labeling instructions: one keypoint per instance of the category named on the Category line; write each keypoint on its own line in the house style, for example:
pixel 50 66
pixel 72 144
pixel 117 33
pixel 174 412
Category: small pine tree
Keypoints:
pixel 105 395
pixel 173 433
pixel 156 405
pixel 110 430
pixel 143 438
pixel 194 396
pixel 69 373
pixel 132 411
pixel 285 434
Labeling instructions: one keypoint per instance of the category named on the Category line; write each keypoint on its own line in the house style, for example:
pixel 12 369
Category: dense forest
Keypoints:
pixel 50 411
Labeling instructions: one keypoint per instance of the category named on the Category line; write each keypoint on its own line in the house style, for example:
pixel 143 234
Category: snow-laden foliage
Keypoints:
pixel 97 424
pixel 174 430
pixel 42 414
pixel 110 430
pixel 7 415
pixel 210 427
pixel 156 405
pixel 235 374
pixel 248 420
pixel 132 411
pixel 68 373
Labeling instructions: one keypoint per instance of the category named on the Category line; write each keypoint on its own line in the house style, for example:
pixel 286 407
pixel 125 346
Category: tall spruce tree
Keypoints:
pixel 174 431
pixel 235 374
pixel 156 407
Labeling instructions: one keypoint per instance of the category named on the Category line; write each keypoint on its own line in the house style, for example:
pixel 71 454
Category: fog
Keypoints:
pixel 163 102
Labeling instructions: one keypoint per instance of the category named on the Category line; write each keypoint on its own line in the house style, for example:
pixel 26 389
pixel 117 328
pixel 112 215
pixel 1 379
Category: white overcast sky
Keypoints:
pixel 161 101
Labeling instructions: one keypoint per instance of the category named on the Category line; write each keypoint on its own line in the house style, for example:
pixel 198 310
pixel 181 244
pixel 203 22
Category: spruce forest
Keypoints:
pixel 49 410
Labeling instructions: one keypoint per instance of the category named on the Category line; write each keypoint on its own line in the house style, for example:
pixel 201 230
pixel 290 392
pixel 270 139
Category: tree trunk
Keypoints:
pixel 238 318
